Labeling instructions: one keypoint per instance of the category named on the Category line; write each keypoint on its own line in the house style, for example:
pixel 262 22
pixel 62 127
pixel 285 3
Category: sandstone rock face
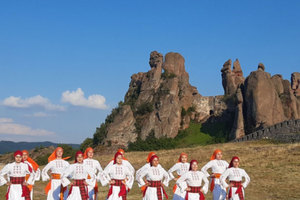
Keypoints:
pixel 238 129
pixel 263 106
pixel 154 102
pixel 122 130
pixel 295 79
pixel 231 79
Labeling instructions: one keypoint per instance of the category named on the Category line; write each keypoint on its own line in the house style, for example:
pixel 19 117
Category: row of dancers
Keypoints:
pixel 82 177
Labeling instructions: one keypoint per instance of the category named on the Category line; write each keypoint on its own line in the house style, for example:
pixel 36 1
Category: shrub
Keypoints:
pixel 144 108
pixel 43 159
pixel 88 142
pixel 100 134
pixel 152 143
pixel 166 75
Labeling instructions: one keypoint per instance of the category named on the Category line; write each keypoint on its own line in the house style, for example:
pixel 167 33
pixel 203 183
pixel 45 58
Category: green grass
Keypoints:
pixel 193 136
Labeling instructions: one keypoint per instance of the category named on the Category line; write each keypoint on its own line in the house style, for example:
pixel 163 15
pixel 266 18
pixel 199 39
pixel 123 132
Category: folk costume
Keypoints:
pixel 180 168
pixel 235 176
pixel 54 189
pixel 218 167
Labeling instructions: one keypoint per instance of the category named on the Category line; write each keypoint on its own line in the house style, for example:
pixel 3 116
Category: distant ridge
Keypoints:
pixel 9 146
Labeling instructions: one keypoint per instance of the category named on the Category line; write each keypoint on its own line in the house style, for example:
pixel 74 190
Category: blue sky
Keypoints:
pixel 50 47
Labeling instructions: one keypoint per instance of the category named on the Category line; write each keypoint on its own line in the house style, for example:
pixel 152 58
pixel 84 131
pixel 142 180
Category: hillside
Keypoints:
pixel 9 146
pixel 271 166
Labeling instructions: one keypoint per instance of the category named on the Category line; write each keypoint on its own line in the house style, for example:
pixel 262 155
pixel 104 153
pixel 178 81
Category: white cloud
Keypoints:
pixel 6 120
pixel 18 102
pixel 77 98
pixel 9 127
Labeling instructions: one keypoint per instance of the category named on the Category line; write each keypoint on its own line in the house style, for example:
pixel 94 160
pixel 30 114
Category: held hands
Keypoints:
pixel 175 179
pixel 112 182
pixel 8 183
pixel 212 176
pixel 25 183
pixel 188 189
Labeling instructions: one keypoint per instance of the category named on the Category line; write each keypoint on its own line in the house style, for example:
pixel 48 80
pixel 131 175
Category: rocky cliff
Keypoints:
pixel 162 102
pixel 262 100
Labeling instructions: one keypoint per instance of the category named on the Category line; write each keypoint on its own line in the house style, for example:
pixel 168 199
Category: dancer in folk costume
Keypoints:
pixel 235 176
pixel 79 173
pixel 125 162
pixel 218 167
pixel 191 182
pixel 57 165
pixel 120 179
pixel 96 166
pixel 17 184
pixel 181 167
pixel 155 177
pixel 145 167
pixel 35 169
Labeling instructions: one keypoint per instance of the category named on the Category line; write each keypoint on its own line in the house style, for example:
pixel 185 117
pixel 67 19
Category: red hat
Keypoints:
pixel 192 161
pixel 18 153
pixel 77 154
pixel 231 162
pixel 152 158
pixel 116 155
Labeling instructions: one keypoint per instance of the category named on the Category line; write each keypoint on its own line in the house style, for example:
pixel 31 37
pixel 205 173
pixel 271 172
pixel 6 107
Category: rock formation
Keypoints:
pixel 154 103
pixel 295 79
pixel 261 100
pixel 232 79
pixel 161 102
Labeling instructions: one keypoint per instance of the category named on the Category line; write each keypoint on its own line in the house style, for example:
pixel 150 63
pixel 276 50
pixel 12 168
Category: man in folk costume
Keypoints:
pixel 181 167
pixel 218 167
pixel 120 179
pixel 125 162
pixel 16 173
pixel 191 182
pixel 35 169
pixel 79 172
pixel 96 166
pixel 57 165
pixel 235 176
pixel 145 167
pixel 155 177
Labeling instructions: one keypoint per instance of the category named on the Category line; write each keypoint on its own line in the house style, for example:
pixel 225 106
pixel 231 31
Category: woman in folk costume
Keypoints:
pixel 145 167
pixel 120 179
pixel 155 177
pixel 191 182
pixel 35 169
pixel 235 176
pixel 79 173
pixel 125 162
pixel 96 166
pixel 57 165
pixel 218 167
pixel 181 167
pixel 16 173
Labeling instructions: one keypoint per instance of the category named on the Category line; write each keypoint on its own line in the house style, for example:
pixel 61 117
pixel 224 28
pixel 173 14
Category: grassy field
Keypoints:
pixel 274 169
